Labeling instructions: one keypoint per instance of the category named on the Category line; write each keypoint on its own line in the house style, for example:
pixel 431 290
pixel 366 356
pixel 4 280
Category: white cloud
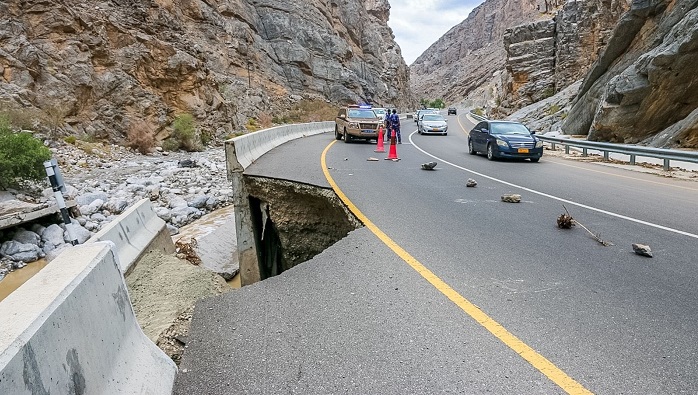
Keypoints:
pixel 419 23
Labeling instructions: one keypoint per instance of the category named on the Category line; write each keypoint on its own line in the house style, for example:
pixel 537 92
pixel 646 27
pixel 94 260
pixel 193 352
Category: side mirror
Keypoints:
pixel 533 132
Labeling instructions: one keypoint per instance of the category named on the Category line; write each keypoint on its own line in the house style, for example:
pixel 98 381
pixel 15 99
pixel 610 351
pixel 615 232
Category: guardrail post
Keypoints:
pixel 667 155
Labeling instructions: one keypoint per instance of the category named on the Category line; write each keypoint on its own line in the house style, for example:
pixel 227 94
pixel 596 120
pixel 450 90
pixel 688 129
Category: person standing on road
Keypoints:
pixel 395 125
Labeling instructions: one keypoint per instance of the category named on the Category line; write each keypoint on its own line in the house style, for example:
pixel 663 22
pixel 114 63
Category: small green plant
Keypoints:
pixel 70 140
pixel 170 144
pixel 206 137
pixel 437 103
pixel 553 109
pixel 252 125
pixel 280 120
pixel 185 133
pixel 479 111
pixel 549 91
pixel 21 156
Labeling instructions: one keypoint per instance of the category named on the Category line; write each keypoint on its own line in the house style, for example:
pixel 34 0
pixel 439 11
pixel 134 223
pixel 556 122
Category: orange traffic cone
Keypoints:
pixel 380 147
pixel 392 155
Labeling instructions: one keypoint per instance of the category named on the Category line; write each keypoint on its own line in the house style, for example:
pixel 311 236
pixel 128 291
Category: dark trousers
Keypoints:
pixel 397 134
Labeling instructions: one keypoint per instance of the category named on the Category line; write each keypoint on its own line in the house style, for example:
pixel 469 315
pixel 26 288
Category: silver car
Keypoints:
pixel 432 124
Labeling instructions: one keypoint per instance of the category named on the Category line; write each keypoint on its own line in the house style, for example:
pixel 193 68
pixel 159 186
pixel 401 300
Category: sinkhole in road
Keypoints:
pixel 292 222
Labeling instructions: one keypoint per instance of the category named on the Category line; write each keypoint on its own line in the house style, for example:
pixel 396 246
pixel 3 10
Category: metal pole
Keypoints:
pixel 666 164
pixel 56 180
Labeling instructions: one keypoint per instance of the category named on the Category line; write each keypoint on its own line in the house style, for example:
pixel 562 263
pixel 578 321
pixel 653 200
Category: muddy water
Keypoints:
pixel 15 279
pixel 235 282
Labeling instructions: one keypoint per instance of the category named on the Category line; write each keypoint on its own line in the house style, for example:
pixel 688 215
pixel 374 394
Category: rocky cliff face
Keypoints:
pixel 98 68
pixel 468 55
pixel 644 86
pixel 545 57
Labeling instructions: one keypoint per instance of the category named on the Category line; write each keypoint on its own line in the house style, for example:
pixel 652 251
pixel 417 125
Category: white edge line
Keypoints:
pixel 625 217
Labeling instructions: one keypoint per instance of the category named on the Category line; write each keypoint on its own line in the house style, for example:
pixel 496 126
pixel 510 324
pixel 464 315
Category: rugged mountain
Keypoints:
pixel 101 68
pixel 547 56
pixel 468 55
pixel 644 86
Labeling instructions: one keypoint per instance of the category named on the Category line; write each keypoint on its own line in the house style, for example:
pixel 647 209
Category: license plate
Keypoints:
pixel 368 131
pixel 523 150
pixel 434 130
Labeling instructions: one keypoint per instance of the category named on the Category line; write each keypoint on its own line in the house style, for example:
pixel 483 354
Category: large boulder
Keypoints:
pixel 644 84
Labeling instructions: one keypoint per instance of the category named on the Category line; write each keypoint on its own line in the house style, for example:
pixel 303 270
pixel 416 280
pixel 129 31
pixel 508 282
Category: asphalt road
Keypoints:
pixel 449 290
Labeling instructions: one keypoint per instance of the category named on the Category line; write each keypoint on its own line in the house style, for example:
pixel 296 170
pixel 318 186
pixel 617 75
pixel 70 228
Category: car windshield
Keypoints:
pixel 432 117
pixel 359 113
pixel 509 128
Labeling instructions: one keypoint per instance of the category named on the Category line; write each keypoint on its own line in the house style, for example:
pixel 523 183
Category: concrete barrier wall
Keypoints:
pixel 71 330
pixel 134 232
pixel 251 146
pixel 240 153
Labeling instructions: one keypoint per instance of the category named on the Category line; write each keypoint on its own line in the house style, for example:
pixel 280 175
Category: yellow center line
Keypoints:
pixel 538 361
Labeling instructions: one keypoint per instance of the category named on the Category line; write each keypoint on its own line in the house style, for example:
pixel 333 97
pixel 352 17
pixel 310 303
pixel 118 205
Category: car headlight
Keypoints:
pixel 353 125
pixel 502 143
pixel 539 143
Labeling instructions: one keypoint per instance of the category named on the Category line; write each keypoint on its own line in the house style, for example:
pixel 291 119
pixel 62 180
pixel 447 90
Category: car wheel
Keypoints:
pixel 337 136
pixel 445 134
pixel 534 160
pixel 471 148
pixel 490 152
pixel 347 137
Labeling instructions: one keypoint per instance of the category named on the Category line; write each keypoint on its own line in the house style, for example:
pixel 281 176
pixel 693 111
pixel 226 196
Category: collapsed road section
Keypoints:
pixel 292 222
pixel 280 223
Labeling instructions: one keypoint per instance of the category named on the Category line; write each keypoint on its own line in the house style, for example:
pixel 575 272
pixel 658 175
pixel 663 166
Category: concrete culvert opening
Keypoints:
pixel 292 222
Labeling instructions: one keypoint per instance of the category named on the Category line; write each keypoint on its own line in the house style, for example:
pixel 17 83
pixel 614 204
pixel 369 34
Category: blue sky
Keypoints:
pixel 419 23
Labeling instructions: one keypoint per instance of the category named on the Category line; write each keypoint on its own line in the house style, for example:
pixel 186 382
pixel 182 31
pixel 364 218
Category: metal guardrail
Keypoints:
pixel 631 150
pixel 477 117
pixel 667 155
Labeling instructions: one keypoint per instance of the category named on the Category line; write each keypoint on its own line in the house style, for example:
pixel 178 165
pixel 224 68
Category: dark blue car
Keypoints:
pixel 504 139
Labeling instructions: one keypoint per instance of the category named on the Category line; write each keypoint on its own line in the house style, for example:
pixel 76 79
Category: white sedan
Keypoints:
pixel 432 124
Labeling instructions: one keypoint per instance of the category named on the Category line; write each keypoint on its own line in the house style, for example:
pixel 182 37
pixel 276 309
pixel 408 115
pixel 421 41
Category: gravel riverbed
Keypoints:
pixel 104 180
